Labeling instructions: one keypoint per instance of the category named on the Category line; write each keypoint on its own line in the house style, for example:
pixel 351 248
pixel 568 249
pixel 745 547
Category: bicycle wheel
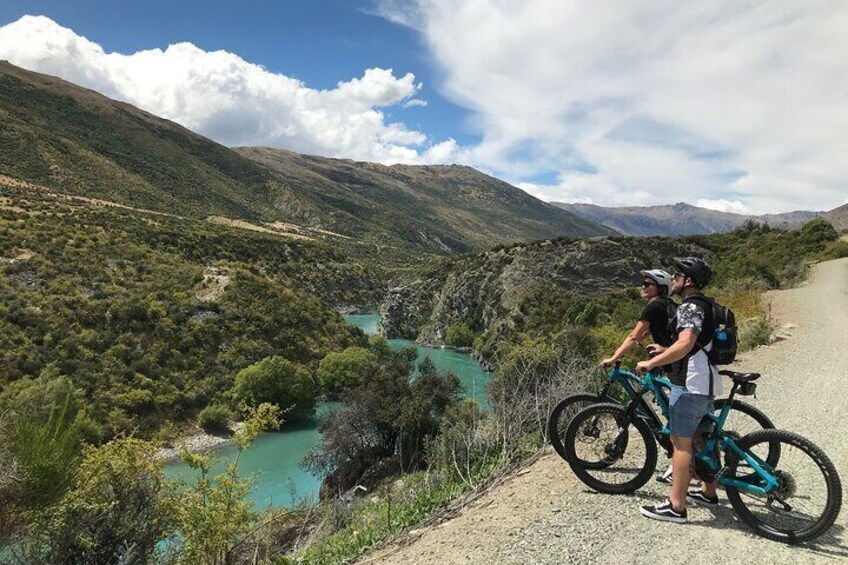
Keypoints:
pixel 620 450
pixel 564 411
pixel 744 419
pixel 808 499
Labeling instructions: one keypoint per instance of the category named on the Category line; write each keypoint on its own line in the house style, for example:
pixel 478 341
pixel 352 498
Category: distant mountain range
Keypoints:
pixel 73 140
pixel 685 219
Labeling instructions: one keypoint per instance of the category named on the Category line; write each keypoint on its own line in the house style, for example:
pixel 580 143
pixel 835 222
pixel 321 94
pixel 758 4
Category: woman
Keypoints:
pixel 654 318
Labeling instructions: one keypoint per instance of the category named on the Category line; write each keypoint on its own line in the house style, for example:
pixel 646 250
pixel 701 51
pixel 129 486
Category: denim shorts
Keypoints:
pixel 686 411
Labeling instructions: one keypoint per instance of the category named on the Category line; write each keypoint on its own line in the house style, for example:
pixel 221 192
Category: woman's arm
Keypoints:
pixel 638 334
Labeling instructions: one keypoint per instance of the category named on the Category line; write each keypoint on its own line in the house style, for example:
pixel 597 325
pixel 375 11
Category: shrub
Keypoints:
pixel 215 418
pixel 343 370
pixel 754 332
pixel 276 380
pixel 460 334
pixel 114 513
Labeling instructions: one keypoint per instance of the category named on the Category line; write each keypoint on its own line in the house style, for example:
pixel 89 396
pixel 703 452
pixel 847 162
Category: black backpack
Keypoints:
pixel 724 335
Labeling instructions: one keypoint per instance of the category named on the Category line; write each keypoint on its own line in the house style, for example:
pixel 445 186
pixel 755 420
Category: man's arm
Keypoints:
pixel 686 341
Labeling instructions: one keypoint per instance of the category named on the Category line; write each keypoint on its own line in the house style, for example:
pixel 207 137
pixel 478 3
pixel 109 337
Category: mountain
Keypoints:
pixel 443 208
pixel 73 140
pixel 838 217
pixel 678 219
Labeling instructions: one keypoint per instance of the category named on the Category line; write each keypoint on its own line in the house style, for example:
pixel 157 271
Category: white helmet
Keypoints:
pixel 662 278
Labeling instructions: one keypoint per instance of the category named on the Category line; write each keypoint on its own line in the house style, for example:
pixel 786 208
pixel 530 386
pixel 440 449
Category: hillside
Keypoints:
pixel 445 209
pixel 150 315
pixel 679 219
pixel 79 142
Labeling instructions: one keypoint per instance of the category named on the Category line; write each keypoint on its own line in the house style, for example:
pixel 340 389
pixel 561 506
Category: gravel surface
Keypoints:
pixel 545 515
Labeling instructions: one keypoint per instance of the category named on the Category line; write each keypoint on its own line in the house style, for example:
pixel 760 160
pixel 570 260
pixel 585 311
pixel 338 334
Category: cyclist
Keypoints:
pixel 695 382
pixel 656 287
pixel 655 318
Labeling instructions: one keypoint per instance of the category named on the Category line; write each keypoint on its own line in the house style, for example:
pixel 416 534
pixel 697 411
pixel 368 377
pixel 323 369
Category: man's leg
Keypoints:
pixel 681 475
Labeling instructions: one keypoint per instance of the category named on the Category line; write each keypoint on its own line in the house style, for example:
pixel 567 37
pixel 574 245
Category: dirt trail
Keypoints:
pixel 545 515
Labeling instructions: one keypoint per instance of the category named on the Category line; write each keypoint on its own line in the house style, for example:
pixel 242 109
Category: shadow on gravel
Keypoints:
pixel 724 518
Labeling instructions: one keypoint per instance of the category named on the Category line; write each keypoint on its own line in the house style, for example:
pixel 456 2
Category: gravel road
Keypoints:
pixel 545 515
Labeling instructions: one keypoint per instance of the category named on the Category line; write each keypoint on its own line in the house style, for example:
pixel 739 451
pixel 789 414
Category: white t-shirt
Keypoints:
pixel 695 372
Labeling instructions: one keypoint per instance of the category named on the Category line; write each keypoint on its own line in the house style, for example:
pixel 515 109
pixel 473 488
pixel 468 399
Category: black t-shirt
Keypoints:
pixel 656 313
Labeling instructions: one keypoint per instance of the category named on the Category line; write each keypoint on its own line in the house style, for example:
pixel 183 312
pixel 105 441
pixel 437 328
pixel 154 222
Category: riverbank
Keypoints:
pixel 196 442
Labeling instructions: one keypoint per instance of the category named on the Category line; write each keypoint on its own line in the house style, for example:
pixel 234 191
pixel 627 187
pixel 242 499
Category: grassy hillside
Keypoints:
pixel 444 209
pixel 152 316
pixel 77 141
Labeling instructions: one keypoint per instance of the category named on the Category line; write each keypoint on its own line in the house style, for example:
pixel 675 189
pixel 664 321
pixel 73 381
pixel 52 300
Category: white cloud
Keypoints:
pixel 651 101
pixel 222 96
pixel 722 205
pixel 415 102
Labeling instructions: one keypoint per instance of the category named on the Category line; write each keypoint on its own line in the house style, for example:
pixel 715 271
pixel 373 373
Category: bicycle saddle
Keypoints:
pixel 740 377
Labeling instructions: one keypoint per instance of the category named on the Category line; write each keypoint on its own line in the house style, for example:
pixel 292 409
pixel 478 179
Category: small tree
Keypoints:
pixel 278 381
pixel 343 370
pixel 214 419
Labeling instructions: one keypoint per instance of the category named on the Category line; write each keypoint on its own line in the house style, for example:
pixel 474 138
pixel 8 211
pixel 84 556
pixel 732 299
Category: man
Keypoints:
pixel 695 382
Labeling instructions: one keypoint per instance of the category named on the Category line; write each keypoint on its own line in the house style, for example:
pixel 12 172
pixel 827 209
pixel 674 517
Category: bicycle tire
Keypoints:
pixel 623 421
pixel 556 425
pixel 821 460
pixel 765 423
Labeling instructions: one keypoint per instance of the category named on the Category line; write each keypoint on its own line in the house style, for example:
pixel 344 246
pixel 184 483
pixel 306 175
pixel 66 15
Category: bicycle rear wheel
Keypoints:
pixel 609 450
pixel 808 499
pixel 564 411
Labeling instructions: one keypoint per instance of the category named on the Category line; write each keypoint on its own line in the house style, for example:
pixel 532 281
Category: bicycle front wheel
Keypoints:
pixel 562 414
pixel 609 450
pixel 808 498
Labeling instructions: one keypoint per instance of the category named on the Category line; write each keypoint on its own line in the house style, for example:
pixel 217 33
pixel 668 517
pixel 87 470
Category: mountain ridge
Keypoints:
pixel 686 219
pixel 77 141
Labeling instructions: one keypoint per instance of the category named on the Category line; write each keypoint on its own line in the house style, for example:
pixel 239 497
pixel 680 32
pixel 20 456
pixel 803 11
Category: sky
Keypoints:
pixel 735 106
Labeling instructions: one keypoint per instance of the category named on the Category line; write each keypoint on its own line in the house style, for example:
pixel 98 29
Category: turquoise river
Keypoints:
pixel 274 460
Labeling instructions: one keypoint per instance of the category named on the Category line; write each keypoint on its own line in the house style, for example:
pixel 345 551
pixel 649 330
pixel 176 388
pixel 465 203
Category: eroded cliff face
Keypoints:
pixel 491 289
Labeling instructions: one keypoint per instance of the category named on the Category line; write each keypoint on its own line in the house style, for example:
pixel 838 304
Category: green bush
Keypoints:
pixel 343 370
pixel 754 332
pixel 215 418
pixel 114 513
pixel 460 334
pixel 276 380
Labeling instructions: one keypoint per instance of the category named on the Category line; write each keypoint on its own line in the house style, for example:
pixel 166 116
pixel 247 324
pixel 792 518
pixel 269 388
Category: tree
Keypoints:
pixel 276 380
pixel 343 370
pixel 460 334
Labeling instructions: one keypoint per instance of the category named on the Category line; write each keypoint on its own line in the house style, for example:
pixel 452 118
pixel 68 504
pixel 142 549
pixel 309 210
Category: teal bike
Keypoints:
pixel 622 387
pixel 779 483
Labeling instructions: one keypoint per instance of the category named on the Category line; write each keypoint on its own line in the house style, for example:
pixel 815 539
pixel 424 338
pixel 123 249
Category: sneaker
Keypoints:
pixel 665 478
pixel 699 498
pixel 664 512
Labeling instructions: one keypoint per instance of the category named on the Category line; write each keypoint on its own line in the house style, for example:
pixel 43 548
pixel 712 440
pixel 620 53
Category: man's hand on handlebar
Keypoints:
pixel 643 367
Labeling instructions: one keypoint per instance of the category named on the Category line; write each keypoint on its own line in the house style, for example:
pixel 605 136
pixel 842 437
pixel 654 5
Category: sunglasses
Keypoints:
pixel 646 284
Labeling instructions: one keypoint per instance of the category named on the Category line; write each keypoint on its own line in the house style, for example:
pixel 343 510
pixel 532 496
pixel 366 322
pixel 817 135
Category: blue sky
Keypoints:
pixel 732 106
pixel 321 42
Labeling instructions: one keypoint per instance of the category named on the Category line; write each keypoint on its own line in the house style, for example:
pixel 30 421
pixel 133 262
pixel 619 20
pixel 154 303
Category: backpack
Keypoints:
pixel 724 336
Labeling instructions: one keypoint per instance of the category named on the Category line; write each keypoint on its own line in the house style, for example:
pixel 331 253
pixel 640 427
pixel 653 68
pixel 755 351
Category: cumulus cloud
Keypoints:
pixel 233 101
pixel 646 101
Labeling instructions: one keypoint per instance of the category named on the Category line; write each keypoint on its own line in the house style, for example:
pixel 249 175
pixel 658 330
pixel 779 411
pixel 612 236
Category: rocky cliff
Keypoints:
pixel 493 289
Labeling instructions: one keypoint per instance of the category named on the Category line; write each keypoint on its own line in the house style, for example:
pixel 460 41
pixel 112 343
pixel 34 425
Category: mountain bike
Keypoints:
pixel 779 483
pixel 652 405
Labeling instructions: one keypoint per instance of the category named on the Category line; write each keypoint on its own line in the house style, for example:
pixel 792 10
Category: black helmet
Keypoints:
pixel 696 269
